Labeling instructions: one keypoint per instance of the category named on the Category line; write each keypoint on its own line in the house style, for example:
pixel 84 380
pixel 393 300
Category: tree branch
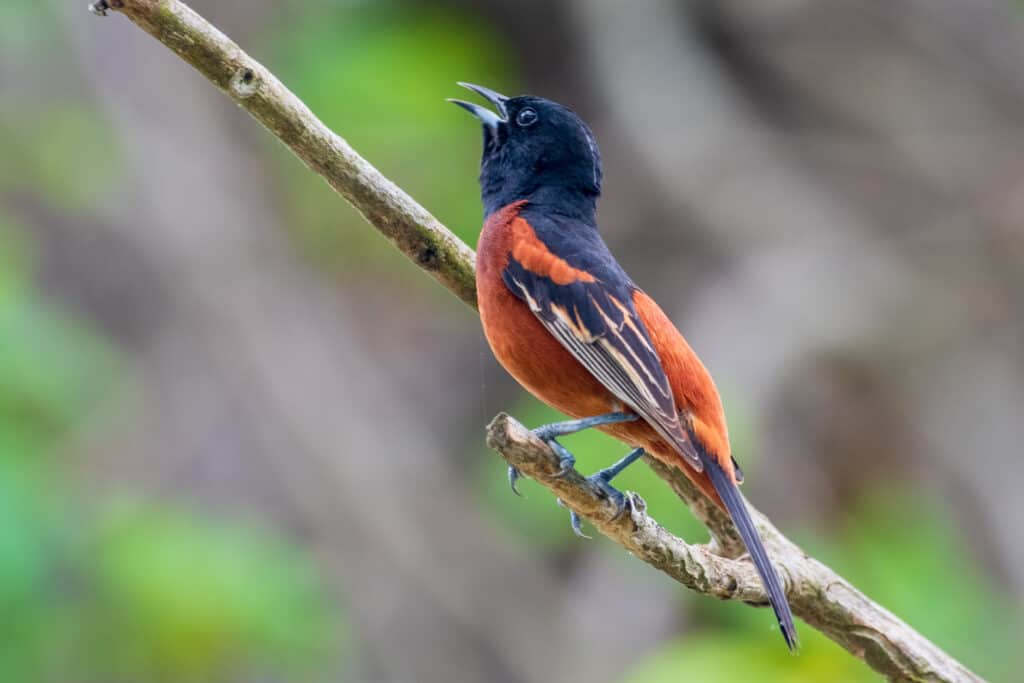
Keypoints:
pixel 823 599
pixel 410 227
pixel 819 596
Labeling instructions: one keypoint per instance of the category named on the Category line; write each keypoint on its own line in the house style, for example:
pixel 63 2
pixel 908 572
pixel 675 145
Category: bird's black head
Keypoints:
pixel 538 150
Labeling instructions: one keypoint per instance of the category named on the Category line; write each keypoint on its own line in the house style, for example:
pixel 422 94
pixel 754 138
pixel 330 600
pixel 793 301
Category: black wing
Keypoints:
pixel 599 325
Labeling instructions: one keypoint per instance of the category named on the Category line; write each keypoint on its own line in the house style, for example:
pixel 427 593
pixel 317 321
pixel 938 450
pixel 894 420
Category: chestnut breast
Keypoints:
pixel 518 339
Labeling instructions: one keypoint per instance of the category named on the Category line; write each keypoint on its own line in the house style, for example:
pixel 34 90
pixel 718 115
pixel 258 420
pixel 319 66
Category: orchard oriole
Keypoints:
pixel 564 319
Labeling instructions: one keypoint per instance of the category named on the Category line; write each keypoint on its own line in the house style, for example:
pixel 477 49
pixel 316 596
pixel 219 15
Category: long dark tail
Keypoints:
pixel 737 508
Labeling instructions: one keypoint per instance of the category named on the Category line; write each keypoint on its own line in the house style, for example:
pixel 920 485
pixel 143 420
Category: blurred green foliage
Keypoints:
pixel 906 546
pixel 63 152
pixel 378 73
pixel 114 589
pixel 22 25
pixel 70 153
pixel 903 563
pixel 724 656
pixel 103 590
pixel 184 600
pixel 54 143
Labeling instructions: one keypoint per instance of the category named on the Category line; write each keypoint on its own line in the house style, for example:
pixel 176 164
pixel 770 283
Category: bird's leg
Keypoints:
pixel 602 479
pixel 548 434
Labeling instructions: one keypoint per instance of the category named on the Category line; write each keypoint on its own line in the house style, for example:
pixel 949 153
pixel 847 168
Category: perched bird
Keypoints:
pixel 564 319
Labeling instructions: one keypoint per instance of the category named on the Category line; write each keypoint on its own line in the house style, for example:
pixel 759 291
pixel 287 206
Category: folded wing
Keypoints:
pixel 591 313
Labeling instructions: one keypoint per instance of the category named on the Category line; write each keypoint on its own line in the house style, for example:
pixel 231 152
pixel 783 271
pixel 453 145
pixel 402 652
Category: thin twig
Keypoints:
pixel 823 599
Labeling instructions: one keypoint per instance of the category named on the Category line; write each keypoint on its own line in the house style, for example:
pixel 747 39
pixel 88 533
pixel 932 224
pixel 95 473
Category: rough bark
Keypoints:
pixel 819 596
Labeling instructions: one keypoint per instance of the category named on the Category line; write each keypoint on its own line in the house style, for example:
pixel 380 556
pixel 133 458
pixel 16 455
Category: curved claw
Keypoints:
pixel 577 525
pixel 513 477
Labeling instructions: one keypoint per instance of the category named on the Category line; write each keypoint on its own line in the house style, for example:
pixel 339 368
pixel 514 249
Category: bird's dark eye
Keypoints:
pixel 526 117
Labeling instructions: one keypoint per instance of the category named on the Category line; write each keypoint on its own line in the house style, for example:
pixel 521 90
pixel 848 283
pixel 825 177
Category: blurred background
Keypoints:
pixel 241 437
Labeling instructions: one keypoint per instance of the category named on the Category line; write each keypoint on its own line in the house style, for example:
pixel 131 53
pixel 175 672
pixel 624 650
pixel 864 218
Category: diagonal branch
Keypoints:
pixel 697 567
pixel 823 599
pixel 409 226
pixel 819 596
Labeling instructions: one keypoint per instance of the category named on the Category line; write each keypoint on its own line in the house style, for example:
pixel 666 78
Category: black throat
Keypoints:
pixel 576 204
pixel 552 163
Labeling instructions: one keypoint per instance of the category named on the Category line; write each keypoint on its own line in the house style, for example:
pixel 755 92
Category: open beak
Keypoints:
pixel 488 117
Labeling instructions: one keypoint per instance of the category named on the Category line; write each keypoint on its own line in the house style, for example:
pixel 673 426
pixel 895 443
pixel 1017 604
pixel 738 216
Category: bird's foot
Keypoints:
pixel 565 464
pixel 602 480
pixel 617 497
pixel 100 8
pixel 549 434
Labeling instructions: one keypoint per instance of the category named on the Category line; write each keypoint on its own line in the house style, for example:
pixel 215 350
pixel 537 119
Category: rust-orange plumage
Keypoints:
pixel 547 370
pixel 569 324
